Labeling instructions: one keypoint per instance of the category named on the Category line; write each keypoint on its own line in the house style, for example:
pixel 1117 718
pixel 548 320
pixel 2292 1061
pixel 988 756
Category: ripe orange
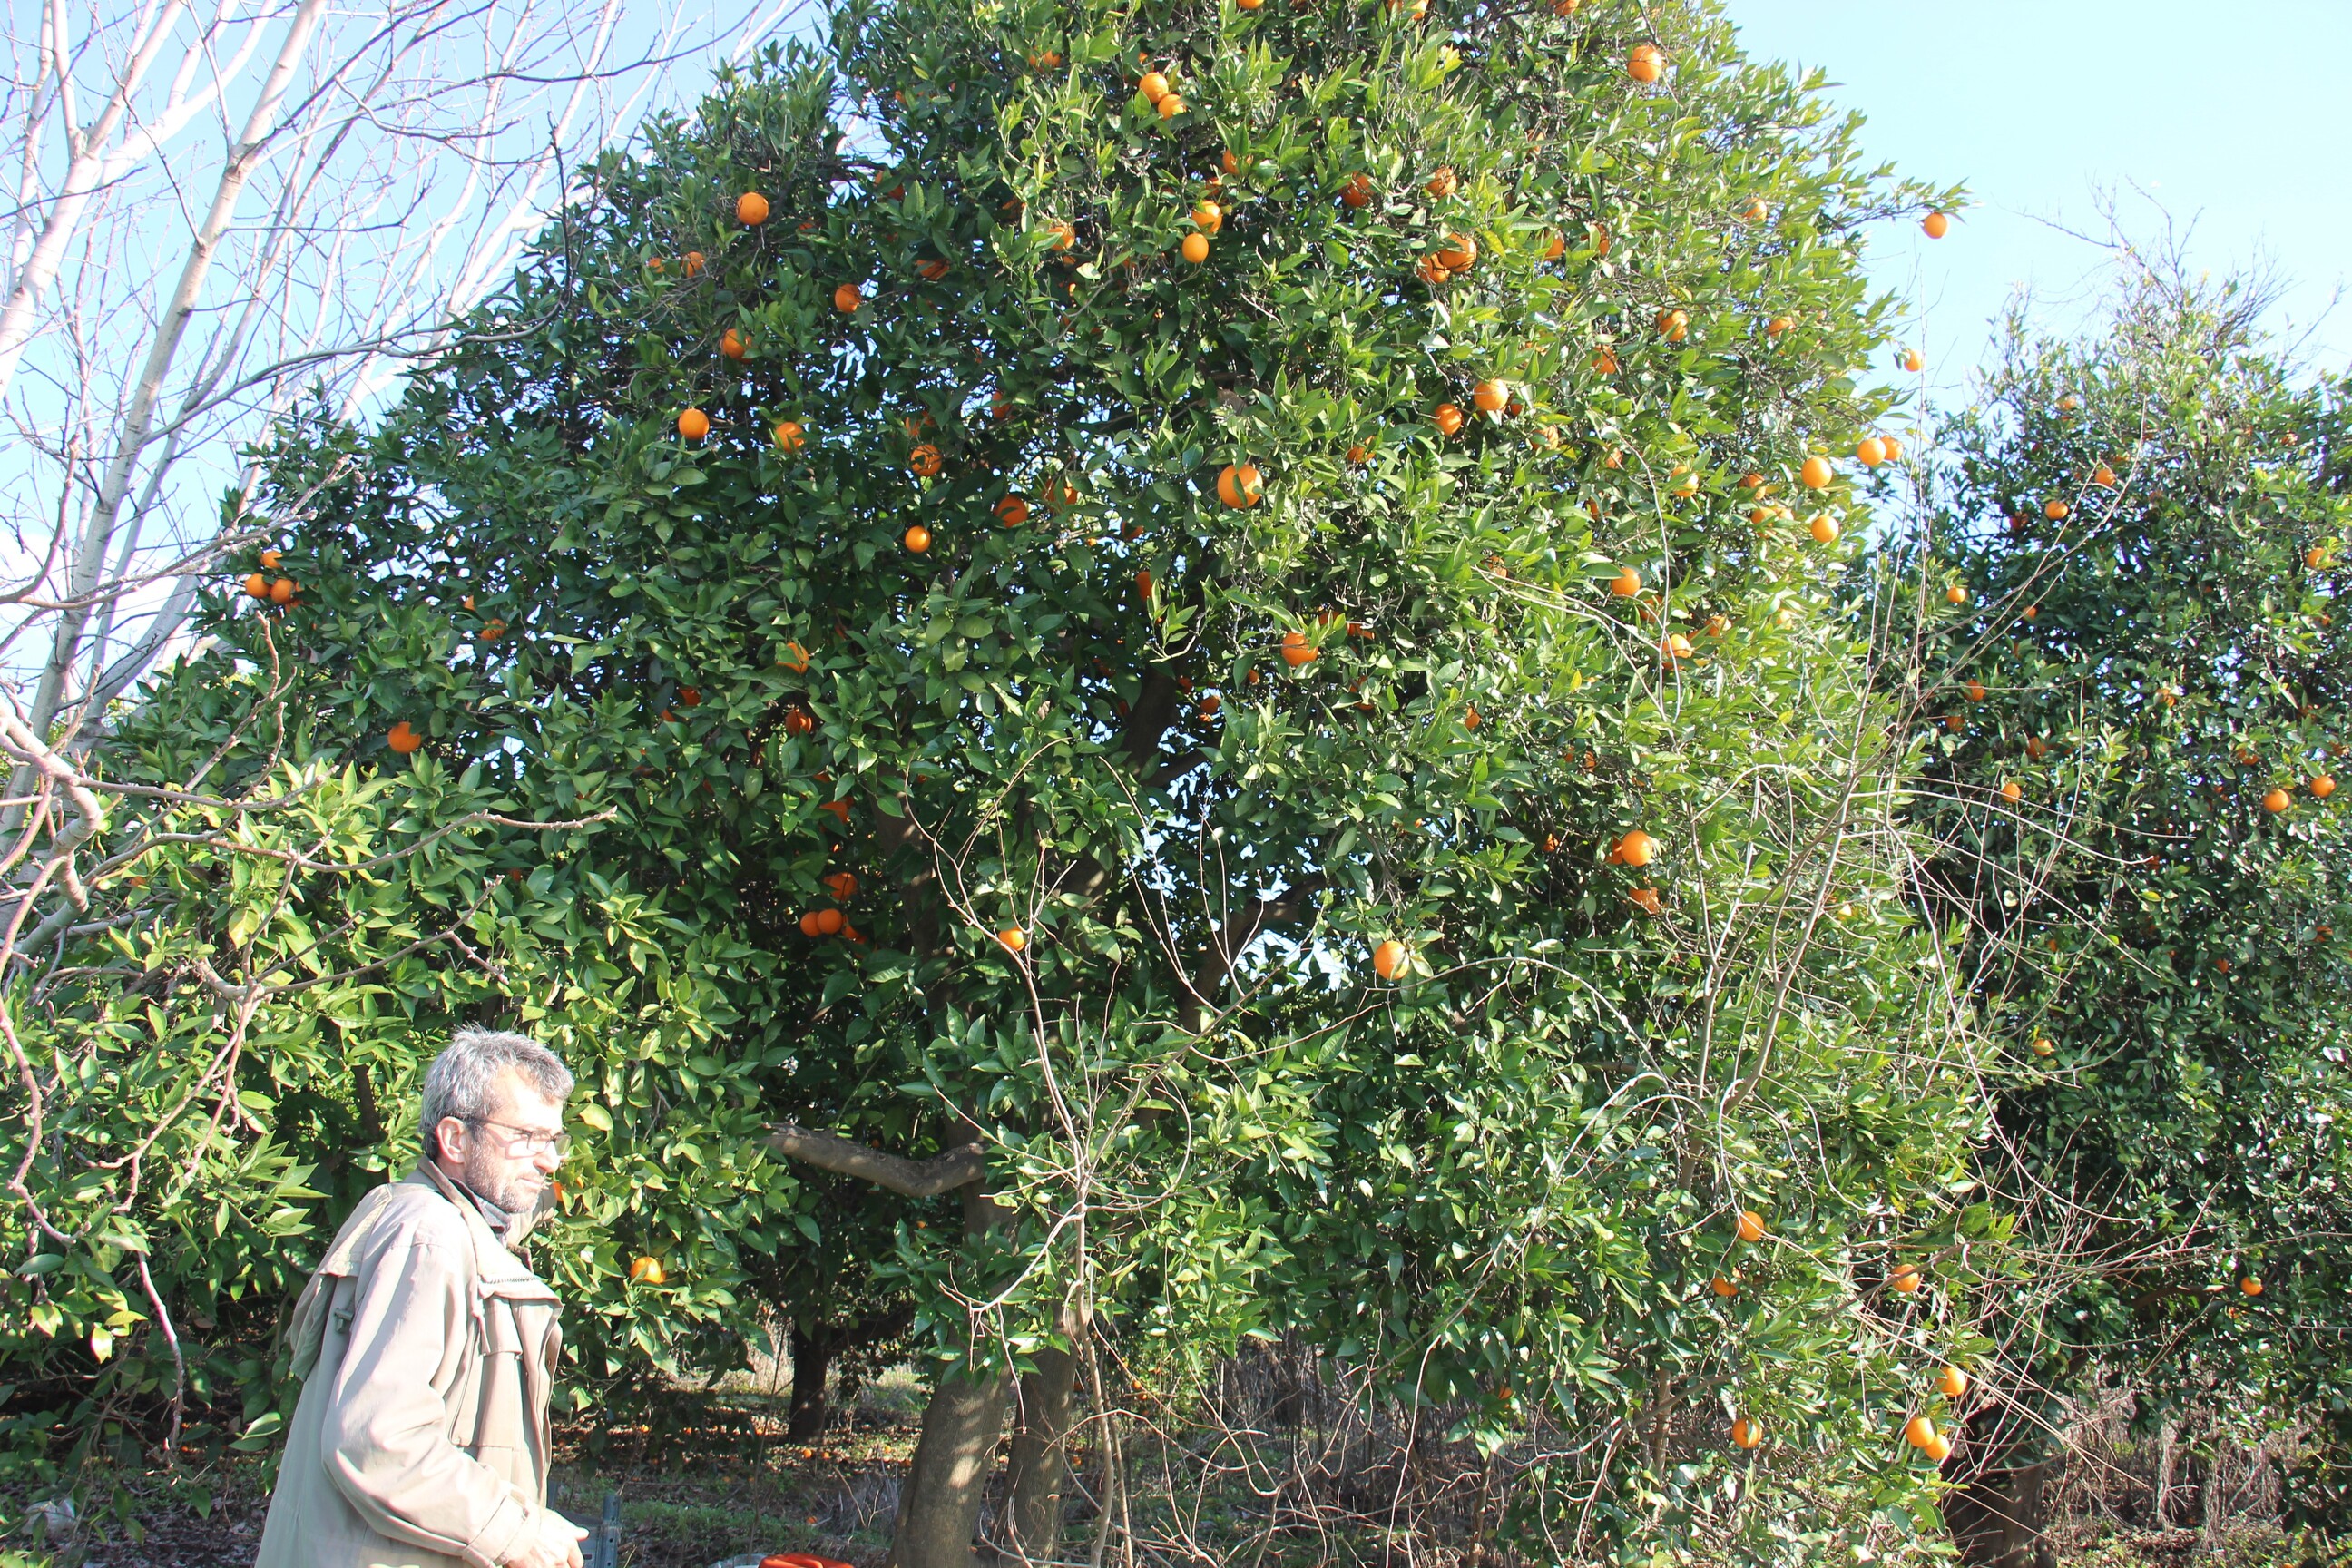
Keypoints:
pixel 693 425
pixel 1751 1226
pixel 1673 325
pixel 1918 1431
pixel 926 460
pixel 269 560
pixel 2068 404
pixel 1816 472
pixel 1956 594
pixel 1756 210
pixel 281 592
pixel 827 922
pixel 2315 558
pixel 1637 849
pixel 1490 396
pixel 2042 1047
pixel 1646 63
pixel 1555 246
pixel 1952 1382
pixel 257 586
pixel 732 344
pixel 1937 225
pixel 1939 1449
pixel 1195 249
pixel 1240 485
pixel 2251 1286
pixel 1776 326
pixel 1459 254
pixel 1170 107
pixel 1359 453
pixel 1296 650
pixel 1430 271
pixel 788 435
pixel 1824 529
pixel 2275 802
pixel 752 209
pixel 1207 217
pixel 1648 899
pixel 1143 587
pixel 694 262
pixel 1746 1433
pixel 1064 235
pixel 1677 646
pixel 1603 360
pixel 404 739
pixel 1626 584
pixel 847 298
pixel 2012 792
pixel 1358 190
pixel 1154 86
pixel 1717 624
pixel 1448 417
pixel 933 270
pixel 1389 959
pixel 1906 1279
pixel 1443 182
pixel 1976 691
pixel 918 539
pixel 1910 360
pixel 1722 1286
pixel 648 1271
pixel 2104 477
pixel 1013 511
pixel 1470 718
pixel 2323 787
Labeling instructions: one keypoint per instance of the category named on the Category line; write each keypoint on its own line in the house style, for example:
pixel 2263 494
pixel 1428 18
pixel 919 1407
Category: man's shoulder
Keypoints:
pixel 405 1216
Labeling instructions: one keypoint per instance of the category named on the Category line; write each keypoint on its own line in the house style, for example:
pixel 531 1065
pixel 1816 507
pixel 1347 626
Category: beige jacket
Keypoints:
pixel 421 1437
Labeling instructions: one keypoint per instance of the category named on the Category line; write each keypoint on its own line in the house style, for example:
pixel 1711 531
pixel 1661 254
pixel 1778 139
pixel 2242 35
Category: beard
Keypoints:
pixel 495 1180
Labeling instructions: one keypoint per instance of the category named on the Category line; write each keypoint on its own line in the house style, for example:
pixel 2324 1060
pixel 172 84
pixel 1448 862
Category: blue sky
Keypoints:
pixel 2233 117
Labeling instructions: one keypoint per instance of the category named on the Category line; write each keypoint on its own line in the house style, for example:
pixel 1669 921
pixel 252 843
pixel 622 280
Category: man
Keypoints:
pixel 426 1347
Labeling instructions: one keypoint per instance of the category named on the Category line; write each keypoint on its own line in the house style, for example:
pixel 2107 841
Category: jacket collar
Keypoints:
pixel 493 1262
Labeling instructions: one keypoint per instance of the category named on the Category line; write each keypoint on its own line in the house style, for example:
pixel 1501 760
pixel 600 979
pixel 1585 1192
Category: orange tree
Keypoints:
pixel 2138 713
pixel 1215 630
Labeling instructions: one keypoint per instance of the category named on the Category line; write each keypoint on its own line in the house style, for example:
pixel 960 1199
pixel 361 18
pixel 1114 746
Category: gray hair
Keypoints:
pixel 463 1077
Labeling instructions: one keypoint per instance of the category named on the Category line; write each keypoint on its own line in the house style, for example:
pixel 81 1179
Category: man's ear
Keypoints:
pixel 441 1136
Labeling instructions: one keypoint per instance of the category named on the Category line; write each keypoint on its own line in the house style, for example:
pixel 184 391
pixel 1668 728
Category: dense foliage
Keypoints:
pixel 966 746
pixel 2151 534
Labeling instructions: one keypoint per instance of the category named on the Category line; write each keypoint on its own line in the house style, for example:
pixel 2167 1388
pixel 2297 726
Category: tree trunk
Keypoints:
pixel 1997 1518
pixel 939 1506
pixel 812 1358
pixel 1039 1474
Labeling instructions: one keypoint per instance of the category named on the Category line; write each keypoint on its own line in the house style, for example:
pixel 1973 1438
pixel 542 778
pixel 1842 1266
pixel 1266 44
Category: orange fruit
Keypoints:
pixel 1756 210
pixel 2104 477
pixel 1939 1449
pixel 1976 691
pixel 1296 650
pixel 752 209
pixel 1673 325
pixel 926 460
pixel 1918 1431
pixel 2055 510
pixel 1937 225
pixel 2012 792
pixel 2315 558
pixel 933 270
pixel 694 262
pixel 403 738
pixel 1723 1286
pixel 1013 511
pixel 648 1271
pixel 1816 472
pixel 1443 182
pixel 794 658
pixel 1603 360
pixel 1746 1433
pixel 1910 360
pixel 1207 217
pixel 281 592
pixel 1389 959
pixel 1240 485
pixel 1952 1382
pixel 1776 326
pixel 1906 1279
pixel 269 560
pixel 2251 1286
pixel 1646 63
pixel 1358 190
pixel 1470 718
pixel 1195 249
pixel 732 344
pixel 257 586
pixel 1751 1226
pixel 1626 584
pixel 1430 271
pixel 1637 849
pixel 1894 448
pixel 1360 453
pixel 1648 899
pixel 1460 253
pixel 847 298
pixel 1555 246
pixel 1170 107
pixel 1824 529
pixel 1490 396
pixel 918 539
pixel 788 435
pixel 1956 594
pixel 1143 585
pixel 2276 801
pixel 2323 787
pixel 828 923
pixel 2042 1047
pixel 1677 646
pixel 1154 86
pixel 693 425
pixel 1448 417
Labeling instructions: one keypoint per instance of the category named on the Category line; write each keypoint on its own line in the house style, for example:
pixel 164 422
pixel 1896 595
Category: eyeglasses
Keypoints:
pixel 525 1143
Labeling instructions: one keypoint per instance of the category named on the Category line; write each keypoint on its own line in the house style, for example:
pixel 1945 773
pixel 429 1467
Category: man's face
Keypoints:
pixel 509 1155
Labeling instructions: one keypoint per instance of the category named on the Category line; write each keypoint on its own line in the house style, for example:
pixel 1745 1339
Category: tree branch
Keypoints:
pixel 958 1167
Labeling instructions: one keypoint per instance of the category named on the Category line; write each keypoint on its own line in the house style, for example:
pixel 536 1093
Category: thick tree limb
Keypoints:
pixel 958 1167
